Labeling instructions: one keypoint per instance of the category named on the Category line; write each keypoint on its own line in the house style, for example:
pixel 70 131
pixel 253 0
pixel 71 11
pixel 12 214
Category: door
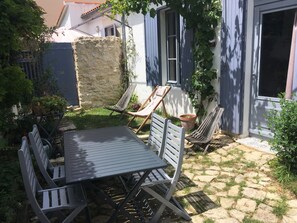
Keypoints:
pixel 272 42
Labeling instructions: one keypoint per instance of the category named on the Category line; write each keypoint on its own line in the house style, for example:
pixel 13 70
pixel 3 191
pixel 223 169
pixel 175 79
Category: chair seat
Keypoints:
pixel 157 176
pixel 63 197
pixel 59 173
pixel 199 140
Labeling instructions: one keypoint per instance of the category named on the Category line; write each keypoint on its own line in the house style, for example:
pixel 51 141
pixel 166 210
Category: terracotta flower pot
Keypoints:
pixel 188 121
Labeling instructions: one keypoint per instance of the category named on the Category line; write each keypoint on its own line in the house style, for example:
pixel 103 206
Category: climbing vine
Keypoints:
pixel 203 17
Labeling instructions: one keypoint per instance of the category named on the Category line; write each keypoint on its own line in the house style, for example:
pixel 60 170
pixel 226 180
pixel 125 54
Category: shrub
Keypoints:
pixel 283 124
pixel 49 104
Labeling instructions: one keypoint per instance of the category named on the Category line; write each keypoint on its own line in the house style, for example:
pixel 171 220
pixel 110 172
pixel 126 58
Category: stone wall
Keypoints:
pixel 98 70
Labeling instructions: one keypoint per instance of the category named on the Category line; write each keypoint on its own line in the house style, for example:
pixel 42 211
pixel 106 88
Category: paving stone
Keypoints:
pixel 227 220
pixel 197 219
pixel 239 178
pixel 226 159
pixel 214 168
pixel 222 194
pixel 219 185
pixel 265 207
pixel 265 215
pixel 204 178
pixel 234 191
pixel 228 169
pixel 212 172
pixel 216 213
pixel 228 174
pixel 274 196
pixel 216 158
pixel 246 205
pixel 286 219
pixel 187 166
pixel 253 193
pixel 237 214
pixel 227 202
pixel 254 185
pixel 189 174
pixel 251 174
pixel 292 213
pixel 292 203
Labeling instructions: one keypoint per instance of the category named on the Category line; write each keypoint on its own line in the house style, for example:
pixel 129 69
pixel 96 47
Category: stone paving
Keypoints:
pixel 231 183
pixel 238 180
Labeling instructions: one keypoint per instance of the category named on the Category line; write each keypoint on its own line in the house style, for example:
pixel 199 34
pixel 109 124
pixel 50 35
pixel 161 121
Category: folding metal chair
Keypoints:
pixel 173 155
pixel 204 133
pixel 156 139
pixel 52 174
pixel 122 104
pixel 48 201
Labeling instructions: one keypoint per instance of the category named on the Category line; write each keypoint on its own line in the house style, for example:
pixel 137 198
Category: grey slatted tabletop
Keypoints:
pixel 105 152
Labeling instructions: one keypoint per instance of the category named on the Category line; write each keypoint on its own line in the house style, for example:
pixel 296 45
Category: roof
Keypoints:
pixel 92 11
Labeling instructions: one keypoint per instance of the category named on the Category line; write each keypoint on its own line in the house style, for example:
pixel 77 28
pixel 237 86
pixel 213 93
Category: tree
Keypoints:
pixel 202 16
pixel 21 27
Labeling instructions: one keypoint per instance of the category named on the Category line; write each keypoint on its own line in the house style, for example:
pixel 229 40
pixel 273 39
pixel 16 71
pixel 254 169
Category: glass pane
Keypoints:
pixel 172 47
pixel 275 52
pixel 171 30
pixel 172 70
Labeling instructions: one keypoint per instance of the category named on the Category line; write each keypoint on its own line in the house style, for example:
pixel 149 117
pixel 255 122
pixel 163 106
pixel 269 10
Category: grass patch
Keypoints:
pixel 281 208
pixel 229 163
pixel 284 176
pixel 100 117
pixel 250 220
pixel 250 164
pixel 208 221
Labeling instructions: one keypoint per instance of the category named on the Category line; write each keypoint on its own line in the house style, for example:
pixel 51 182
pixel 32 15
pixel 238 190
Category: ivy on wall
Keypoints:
pixel 203 17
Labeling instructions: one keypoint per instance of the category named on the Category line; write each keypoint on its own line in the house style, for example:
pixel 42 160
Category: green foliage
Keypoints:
pixel 201 16
pixel 250 220
pixel 12 192
pixel 281 208
pixel 49 104
pixel 45 85
pixel 283 124
pixel 14 87
pixel 21 21
pixel 287 178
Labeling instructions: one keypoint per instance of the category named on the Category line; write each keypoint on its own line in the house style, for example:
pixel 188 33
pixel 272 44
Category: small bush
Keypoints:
pixel 284 126
pixel 49 104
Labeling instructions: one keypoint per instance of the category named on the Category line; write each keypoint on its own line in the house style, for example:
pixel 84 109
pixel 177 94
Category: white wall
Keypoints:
pixel 177 102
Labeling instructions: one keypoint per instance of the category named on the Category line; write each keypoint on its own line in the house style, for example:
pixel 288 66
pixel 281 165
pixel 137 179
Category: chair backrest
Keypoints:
pixel 151 104
pixel 41 156
pixel 156 139
pixel 124 100
pixel 29 177
pixel 208 125
pixel 174 148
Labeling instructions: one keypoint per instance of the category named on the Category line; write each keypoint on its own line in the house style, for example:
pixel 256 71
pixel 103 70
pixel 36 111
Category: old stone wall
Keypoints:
pixel 98 70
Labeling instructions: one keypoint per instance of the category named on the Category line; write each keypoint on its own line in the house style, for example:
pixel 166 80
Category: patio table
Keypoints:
pixel 107 152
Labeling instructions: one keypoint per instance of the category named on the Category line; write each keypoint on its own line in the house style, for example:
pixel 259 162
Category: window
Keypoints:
pixel 110 31
pixel 172 46
pixel 169 45
pixel 275 52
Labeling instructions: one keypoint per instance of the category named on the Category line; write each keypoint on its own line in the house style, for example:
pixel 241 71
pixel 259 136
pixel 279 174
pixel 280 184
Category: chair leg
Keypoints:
pixel 206 147
pixel 165 203
pixel 142 124
pixel 111 113
pixel 131 120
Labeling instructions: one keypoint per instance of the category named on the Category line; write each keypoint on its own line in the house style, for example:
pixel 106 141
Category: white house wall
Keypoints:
pixel 177 101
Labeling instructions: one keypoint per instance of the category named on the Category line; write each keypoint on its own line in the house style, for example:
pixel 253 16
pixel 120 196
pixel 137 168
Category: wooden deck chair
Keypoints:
pixel 204 133
pixel 52 174
pixel 48 201
pixel 150 105
pixel 156 139
pixel 173 155
pixel 122 104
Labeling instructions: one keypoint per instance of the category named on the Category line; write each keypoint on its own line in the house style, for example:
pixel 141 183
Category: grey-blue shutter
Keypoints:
pixel 232 64
pixel 186 55
pixel 153 76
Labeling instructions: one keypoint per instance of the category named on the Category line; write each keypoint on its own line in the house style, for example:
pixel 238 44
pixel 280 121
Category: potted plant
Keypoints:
pixel 188 121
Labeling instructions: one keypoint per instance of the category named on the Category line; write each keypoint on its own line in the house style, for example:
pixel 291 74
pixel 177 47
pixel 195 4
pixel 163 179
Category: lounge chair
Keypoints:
pixel 122 104
pixel 204 133
pixel 150 105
